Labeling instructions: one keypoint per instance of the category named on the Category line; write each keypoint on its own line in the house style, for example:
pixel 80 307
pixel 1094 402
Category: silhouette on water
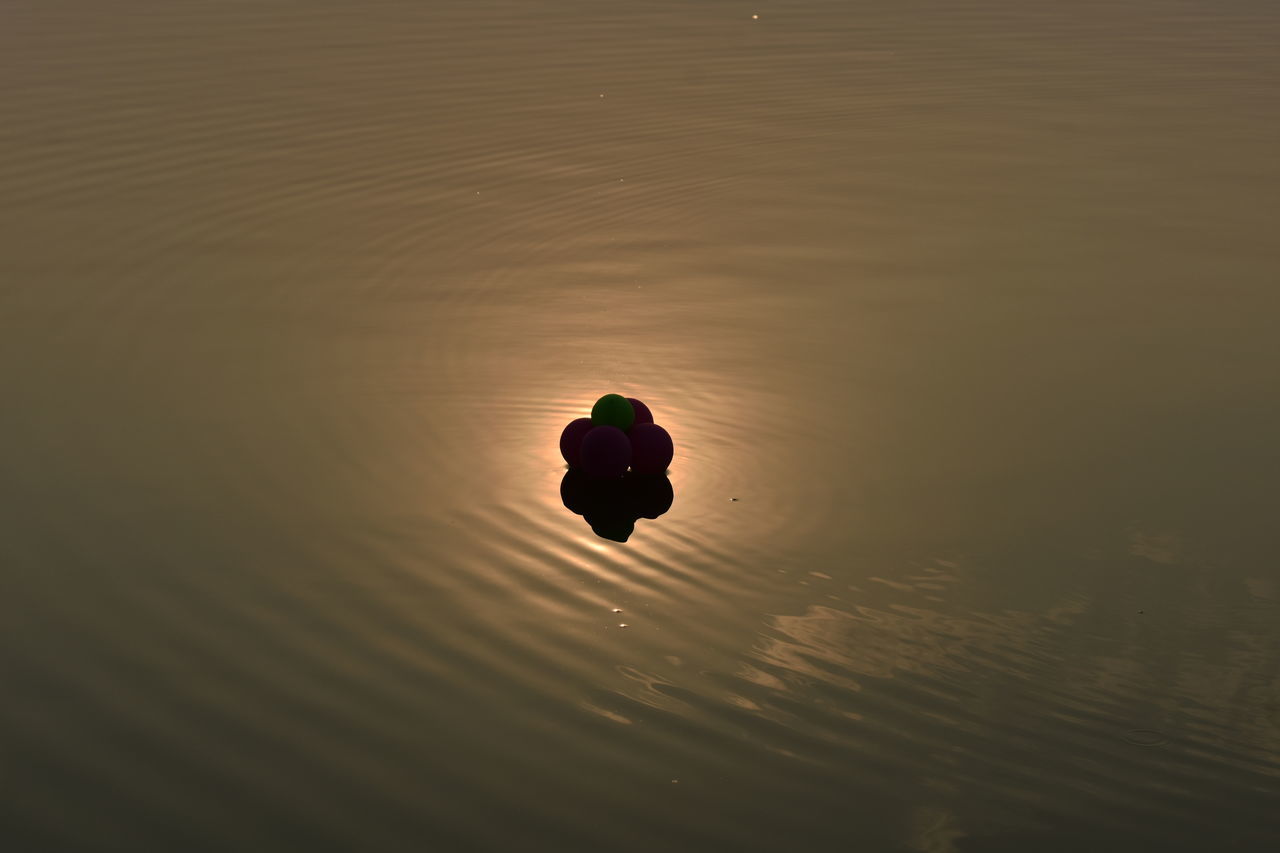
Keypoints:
pixel 613 506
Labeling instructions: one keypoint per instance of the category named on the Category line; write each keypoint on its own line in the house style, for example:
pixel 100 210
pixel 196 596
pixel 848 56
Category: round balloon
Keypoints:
pixel 613 410
pixel 651 449
pixel 571 441
pixel 643 415
pixel 606 452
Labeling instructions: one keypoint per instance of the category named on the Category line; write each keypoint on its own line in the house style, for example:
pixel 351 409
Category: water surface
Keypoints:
pixel 961 314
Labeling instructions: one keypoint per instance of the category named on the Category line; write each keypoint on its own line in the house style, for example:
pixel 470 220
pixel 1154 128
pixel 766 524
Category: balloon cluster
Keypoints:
pixel 620 434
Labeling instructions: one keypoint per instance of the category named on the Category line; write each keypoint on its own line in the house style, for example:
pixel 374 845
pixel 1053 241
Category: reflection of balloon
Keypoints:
pixel 643 415
pixel 606 452
pixel 571 441
pixel 573 490
pixel 651 449
pixel 651 494
pixel 613 410
pixel 615 529
pixel 612 507
pixel 587 495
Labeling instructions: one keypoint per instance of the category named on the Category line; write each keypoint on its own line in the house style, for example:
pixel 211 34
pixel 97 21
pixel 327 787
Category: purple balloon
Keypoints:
pixel 606 452
pixel 643 415
pixel 571 441
pixel 651 449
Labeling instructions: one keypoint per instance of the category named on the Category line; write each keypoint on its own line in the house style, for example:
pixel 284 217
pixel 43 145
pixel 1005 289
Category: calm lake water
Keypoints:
pixel 963 316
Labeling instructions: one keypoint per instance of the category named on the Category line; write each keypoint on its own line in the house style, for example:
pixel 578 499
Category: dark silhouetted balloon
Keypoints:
pixel 606 452
pixel 651 449
pixel 643 415
pixel 613 410
pixel 571 441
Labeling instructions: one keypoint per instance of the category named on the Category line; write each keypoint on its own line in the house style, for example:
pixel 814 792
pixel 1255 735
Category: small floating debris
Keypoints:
pixel 733 499
pixel 617 610
pixel 623 625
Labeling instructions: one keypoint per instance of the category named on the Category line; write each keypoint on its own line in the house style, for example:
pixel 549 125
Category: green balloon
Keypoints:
pixel 613 410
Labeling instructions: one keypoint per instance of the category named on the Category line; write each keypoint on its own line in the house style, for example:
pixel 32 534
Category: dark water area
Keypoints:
pixel 962 316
